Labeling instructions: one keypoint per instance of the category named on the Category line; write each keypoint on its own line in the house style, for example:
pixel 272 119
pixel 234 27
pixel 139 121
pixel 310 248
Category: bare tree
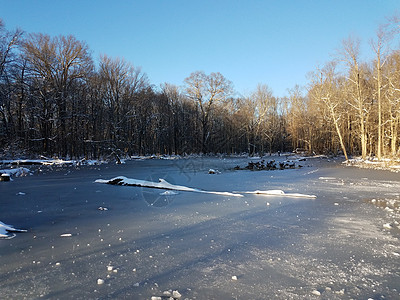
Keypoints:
pixel 57 63
pixel 206 91
pixel 325 89
pixel 265 114
pixel 9 40
pixel 175 101
pixel 296 118
pixel 393 90
pixel 381 48
pixel 358 98
pixel 392 95
pixel 120 80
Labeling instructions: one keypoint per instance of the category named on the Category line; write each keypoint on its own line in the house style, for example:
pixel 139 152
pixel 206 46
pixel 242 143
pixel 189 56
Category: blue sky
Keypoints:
pixel 270 42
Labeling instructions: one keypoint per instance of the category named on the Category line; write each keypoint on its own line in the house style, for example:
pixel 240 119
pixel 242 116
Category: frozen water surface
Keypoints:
pixel 87 240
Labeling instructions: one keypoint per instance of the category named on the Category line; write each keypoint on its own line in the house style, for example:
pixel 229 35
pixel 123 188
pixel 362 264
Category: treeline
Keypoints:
pixel 55 101
pixel 355 104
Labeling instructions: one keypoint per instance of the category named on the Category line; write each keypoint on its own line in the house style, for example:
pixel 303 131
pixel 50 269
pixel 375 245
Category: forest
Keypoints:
pixel 55 101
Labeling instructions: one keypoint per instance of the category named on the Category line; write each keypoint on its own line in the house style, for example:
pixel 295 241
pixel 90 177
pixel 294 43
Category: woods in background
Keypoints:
pixel 55 101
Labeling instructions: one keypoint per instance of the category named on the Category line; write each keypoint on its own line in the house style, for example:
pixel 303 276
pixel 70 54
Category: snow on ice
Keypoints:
pixel 168 193
pixel 7 231
pixel 280 193
pixel 163 184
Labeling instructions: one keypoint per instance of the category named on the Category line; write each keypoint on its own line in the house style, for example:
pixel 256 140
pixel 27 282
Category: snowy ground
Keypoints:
pixel 87 240
pixel 373 163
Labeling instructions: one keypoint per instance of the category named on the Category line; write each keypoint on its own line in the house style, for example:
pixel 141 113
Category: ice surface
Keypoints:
pixel 277 247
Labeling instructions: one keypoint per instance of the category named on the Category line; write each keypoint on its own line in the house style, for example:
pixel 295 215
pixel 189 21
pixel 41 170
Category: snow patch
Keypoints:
pixel 387 226
pixel 168 193
pixel 316 293
pixel 280 193
pixel 326 178
pixel 66 235
pixel 213 171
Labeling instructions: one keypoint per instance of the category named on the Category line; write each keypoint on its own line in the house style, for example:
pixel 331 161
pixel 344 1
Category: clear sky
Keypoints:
pixel 271 42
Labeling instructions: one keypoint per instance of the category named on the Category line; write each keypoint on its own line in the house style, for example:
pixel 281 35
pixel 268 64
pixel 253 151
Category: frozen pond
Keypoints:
pixel 143 242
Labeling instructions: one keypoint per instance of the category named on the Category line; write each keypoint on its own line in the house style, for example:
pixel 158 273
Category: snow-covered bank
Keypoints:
pixel 13 168
pixel 17 172
pixel 7 231
pixel 392 165
pixel 51 162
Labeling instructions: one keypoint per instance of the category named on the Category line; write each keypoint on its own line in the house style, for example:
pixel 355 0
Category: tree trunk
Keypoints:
pixel 395 124
pixel 379 151
pixel 339 133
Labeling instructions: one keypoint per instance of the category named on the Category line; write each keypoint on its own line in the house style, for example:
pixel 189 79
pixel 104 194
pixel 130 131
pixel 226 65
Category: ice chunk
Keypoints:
pixel 316 293
pixel 212 171
pixel 4 177
pixel 387 226
pixel 176 294
pixel 66 234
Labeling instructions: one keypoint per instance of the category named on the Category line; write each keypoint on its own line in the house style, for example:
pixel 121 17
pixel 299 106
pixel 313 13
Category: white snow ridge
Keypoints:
pixel 162 184
pixel 7 231
pixel 280 193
